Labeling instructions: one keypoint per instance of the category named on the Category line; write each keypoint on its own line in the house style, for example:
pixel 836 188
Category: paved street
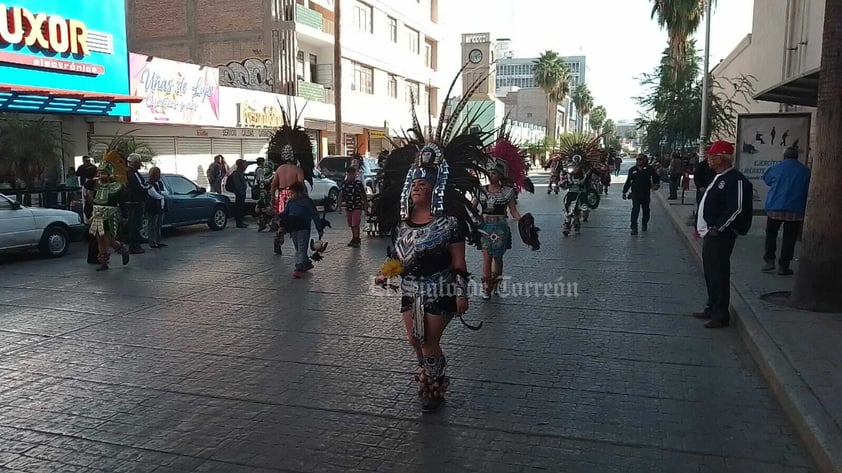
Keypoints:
pixel 208 356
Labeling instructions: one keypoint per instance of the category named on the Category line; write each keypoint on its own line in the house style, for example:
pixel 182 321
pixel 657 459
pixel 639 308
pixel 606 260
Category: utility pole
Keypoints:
pixel 705 82
pixel 337 77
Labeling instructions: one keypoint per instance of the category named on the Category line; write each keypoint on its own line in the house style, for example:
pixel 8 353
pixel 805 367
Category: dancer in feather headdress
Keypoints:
pixel 581 152
pixel 291 147
pixel 506 176
pixel 428 184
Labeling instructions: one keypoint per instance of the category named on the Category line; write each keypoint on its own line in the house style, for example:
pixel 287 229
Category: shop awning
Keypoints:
pixel 37 99
pixel 799 90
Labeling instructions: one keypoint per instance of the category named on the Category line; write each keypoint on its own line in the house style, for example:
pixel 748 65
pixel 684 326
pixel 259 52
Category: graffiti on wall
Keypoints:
pixel 251 73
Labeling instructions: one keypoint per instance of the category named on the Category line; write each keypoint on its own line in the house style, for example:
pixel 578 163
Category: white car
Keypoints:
pixel 48 230
pixel 324 191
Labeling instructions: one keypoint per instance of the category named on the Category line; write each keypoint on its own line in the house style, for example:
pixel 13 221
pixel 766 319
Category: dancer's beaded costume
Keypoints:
pixel 452 161
pixel 105 220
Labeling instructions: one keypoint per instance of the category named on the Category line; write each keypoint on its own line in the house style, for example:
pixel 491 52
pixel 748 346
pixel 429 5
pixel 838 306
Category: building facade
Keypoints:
pixel 782 54
pixel 389 55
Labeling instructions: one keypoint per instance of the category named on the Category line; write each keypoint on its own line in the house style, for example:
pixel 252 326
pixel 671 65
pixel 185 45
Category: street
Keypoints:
pixel 208 356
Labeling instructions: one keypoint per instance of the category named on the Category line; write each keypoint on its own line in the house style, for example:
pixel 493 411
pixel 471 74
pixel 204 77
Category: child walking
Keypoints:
pixel 352 194
pixel 295 220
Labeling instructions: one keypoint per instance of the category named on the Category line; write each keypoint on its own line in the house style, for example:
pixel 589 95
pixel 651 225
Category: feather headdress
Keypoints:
pixel 506 158
pixel 291 144
pixel 452 157
pixel 580 144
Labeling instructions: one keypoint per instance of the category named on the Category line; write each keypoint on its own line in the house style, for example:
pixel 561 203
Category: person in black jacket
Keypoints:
pixel 641 181
pixel 725 211
pixel 237 185
pixel 137 191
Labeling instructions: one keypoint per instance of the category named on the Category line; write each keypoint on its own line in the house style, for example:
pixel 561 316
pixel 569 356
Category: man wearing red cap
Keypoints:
pixel 725 211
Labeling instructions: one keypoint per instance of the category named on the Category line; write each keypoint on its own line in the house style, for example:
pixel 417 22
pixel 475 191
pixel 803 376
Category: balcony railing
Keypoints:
pixel 312 91
pixel 313 19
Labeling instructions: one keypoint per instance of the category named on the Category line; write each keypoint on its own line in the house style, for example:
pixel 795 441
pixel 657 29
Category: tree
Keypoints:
pixel 818 282
pixel 609 128
pixel 583 100
pixel 552 76
pixel 32 151
pixel 681 18
pixel 597 118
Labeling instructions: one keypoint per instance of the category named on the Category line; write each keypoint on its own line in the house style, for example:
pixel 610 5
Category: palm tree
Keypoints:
pixel 553 77
pixel 681 18
pixel 583 100
pixel 818 283
pixel 597 118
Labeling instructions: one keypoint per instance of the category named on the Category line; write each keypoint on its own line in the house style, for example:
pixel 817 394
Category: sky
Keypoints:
pixel 617 36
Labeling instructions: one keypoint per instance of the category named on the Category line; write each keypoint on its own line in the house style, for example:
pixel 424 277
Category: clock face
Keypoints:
pixel 475 56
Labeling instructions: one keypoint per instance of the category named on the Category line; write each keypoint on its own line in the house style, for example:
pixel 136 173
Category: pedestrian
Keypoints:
pixel 236 184
pixel 156 206
pixel 786 203
pixel 725 211
pixel 641 181
pixel 295 220
pixel 71 180
pixel 88 194
pixel 352 195
pixel 215 174
pixel 290 145
pixel 676 171
pixel 86 171
pixel 138 190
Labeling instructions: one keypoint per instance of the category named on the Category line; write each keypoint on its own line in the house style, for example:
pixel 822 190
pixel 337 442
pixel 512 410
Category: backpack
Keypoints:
pixel 229 184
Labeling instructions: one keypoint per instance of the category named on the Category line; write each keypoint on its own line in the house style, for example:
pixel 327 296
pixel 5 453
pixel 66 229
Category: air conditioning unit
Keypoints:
pixel 324 75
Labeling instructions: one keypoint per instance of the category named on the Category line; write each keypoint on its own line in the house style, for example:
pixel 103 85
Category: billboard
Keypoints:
pixel 75 45
pixel 761 141
pixel 174 93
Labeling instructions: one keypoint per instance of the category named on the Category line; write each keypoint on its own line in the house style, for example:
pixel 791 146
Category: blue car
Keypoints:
pixel 189 204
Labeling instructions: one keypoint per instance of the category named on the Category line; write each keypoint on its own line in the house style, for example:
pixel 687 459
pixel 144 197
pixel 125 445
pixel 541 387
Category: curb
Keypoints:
pixel 814 425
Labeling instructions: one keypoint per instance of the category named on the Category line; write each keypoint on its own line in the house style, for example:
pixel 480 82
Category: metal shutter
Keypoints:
pixel 253 149
pixel 193 156
pixel 229 148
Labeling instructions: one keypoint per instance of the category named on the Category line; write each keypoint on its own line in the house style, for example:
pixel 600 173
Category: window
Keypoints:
pixel 413 91
pixel 428 55
pixel 180 185
pixel 413 38
pixel 363 15
pixel 314 70
pixel 5 204
pixel 299 65
pixel 363 80
pixel 393 30
pixel 393 86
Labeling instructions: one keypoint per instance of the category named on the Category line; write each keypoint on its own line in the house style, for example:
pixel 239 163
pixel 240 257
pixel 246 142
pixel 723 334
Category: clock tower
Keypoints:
pixel 478 54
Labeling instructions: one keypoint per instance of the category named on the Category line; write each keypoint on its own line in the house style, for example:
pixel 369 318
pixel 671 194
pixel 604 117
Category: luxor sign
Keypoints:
pixel 52 35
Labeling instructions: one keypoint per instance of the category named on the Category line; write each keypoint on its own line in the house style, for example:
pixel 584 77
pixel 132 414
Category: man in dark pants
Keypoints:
pixel 642 180
pixel 676 172
pixel 237 185
pixel 724 213
pixel 786 203
pixel 137 191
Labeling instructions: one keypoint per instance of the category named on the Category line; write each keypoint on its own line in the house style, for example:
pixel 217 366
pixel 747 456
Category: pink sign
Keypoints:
pixel 173 92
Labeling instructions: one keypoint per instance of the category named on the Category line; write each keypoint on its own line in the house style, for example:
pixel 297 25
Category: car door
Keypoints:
pixel 319 189
pixel 183 203
pixel 17 225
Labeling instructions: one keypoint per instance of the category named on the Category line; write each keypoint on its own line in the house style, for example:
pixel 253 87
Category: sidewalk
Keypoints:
pixel 797 351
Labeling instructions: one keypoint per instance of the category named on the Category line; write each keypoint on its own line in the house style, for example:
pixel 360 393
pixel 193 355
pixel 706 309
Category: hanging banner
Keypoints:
pixel 173 92
pixel 761 141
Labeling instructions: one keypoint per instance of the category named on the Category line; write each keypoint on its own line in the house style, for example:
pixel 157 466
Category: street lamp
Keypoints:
pixel 705 86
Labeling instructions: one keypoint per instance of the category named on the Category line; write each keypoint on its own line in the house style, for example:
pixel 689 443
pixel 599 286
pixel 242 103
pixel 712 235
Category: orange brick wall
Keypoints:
pixel 159 18
pixel 217 16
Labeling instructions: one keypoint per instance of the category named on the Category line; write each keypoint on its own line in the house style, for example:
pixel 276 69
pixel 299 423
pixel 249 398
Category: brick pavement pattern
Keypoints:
pixel 207 356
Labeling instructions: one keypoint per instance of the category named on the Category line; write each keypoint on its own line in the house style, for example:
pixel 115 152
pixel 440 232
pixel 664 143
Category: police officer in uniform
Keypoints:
pixel 725 212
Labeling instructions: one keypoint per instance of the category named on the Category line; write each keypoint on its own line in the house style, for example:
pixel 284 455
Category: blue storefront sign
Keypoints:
pixel 64 56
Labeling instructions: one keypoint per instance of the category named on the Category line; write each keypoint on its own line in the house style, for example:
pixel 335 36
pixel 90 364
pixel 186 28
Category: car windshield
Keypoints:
pixel 334 164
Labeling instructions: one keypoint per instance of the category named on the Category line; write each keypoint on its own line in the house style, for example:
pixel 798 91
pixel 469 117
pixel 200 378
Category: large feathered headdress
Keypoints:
pixel 506 158
pixel 452 158
pixel 582 145
pixel 291 144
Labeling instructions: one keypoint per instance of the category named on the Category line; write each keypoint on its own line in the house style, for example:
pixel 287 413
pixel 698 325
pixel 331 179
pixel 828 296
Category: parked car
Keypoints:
pixel 48 230
pixel 189 204
pixel 334 167
pixel 324 191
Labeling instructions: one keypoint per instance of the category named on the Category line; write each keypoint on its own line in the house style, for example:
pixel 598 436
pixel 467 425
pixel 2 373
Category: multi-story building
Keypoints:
pixel 520 72
pixel 389 54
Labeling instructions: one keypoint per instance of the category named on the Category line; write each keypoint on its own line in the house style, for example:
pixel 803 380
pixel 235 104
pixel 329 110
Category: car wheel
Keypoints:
pixel 54 241
pixel 219 218
pixel 144 230
pixel 330 201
